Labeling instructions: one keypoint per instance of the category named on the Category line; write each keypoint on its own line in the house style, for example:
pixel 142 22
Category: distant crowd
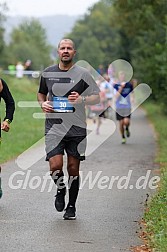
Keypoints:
pixel 19 69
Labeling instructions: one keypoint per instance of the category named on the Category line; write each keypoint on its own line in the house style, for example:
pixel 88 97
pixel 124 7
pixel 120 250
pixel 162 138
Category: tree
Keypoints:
pixel 3 9
pixel 90 51
pixel 95 33
pixel 132 30
pixel 29 41
pixel 145 25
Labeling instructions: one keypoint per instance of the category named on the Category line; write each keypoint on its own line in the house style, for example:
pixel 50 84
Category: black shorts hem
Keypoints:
pixel 123 113
pixel 70 146
pixel 81 158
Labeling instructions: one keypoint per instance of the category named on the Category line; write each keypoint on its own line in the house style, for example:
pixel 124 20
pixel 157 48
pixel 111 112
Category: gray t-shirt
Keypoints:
pixel 57 85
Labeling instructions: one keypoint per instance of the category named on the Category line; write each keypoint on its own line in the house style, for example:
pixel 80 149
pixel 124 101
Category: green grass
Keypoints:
pixel 25 130
pixel 156 215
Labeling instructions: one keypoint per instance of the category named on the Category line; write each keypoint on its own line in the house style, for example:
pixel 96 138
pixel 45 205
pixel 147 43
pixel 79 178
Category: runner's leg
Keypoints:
pixel 56 166
pixel 121 127
pixel 73 172
pixel 127 124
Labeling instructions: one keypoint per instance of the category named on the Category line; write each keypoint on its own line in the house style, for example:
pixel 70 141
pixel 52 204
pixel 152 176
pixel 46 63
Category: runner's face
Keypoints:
pixel 66 51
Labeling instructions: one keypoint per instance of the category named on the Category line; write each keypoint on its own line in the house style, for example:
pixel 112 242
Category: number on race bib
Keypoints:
pixel 62 105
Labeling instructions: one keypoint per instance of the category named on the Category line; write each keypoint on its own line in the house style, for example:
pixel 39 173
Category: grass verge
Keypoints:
pixel 25 130
pixel 156 214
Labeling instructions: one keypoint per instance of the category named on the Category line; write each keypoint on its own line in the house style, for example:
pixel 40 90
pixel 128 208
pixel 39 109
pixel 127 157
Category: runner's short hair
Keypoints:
pixel 67 40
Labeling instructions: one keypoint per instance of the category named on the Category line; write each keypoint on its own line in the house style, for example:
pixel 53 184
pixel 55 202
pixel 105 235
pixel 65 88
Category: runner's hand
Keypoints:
pixel 123 84
pixel 5 126
pixel 74 98
pixel 47 107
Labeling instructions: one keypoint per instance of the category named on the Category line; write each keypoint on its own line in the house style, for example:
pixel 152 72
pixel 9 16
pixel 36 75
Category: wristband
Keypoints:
pixel 8 121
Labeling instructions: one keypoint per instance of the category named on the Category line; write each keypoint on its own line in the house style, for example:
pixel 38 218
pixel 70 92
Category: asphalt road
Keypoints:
pixel 109 205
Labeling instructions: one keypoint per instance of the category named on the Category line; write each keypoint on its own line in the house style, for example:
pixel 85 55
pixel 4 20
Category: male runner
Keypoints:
pixel 64 91
pixel 124 91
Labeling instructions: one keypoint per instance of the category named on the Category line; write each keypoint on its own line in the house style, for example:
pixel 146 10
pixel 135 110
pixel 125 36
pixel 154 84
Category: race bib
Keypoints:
pixel 62 105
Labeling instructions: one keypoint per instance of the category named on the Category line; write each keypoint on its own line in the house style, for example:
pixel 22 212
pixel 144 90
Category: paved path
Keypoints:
pixel 107 219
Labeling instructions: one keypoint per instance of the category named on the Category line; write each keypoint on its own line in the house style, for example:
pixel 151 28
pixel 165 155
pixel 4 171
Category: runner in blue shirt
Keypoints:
pixel 123 93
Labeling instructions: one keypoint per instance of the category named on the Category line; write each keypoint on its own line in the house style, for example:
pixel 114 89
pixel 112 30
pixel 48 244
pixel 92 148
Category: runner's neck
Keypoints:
pixel 65 67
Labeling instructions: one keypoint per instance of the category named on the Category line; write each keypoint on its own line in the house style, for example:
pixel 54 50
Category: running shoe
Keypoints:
pixel 60 199
pixel 70 213
pixel 123 140
pixel 127 132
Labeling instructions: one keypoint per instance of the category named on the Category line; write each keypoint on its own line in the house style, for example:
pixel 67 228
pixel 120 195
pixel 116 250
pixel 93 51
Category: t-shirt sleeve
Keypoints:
pixel 43 89
pixel 92 88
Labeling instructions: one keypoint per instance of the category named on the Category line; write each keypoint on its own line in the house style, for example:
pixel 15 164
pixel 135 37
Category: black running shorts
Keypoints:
pixel 123 113
pixel 74 146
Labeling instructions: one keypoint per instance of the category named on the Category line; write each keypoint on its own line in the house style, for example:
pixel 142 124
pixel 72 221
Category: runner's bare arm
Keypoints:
pixel 1 86
pixel 88 100
pixel 10 105
pixel 45 105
